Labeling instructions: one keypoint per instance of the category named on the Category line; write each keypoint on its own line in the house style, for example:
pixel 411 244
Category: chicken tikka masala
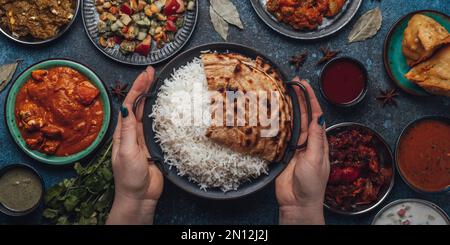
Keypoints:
pixel 58 111
pixel 304 14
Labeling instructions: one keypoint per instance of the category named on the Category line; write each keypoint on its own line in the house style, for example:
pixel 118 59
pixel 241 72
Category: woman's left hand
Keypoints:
pixel 138 181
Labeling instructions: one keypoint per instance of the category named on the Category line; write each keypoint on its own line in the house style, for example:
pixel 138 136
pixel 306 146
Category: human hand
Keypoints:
pixel 300 188
pixel 138 181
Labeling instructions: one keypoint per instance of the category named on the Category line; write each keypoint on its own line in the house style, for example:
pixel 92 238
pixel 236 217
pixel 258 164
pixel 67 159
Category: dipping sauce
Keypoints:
pixel 58 111
pixel 424 155
pixel 20 189
pixel 411 213
pixel 343 81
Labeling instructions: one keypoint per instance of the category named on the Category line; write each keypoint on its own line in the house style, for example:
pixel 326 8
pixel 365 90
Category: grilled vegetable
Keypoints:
pixel 138 23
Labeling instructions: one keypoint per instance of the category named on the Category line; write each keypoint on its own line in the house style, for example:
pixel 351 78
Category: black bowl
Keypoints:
pixel 330 27
pixel 366 81
pixel 32 41
pixel 397 145
pixel 172 173
pixel 386 160
pixel 14 213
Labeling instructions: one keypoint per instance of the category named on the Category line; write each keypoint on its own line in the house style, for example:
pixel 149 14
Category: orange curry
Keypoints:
pixel 424 155
pixel 58 111
pixel 304 14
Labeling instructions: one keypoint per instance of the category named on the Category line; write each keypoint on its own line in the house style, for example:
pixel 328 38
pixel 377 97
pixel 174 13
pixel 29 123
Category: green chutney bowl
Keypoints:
pixel 12 124
pixel 394 60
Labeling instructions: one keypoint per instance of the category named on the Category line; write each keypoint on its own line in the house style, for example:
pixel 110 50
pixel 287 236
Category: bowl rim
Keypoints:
pixel 313 35
pixel 106 124
pixel 58 35
pixel 405 130
pixel 169 57
pixel 387 41
pixel 363 93
pixel 391 184
pixel 230 47
pixel 425 202
pixel 12 213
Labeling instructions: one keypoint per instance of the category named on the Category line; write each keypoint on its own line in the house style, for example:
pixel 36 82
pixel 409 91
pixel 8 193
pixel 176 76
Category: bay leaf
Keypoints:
pixel 220 25
pixel 227 10
pixel 367 26
pixel 6 73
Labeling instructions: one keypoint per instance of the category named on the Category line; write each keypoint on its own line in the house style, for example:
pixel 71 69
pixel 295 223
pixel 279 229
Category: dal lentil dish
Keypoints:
pixel 39 19
pixel 20 189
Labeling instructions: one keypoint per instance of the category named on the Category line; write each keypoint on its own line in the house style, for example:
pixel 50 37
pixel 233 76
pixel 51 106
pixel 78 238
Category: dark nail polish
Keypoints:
pixel 124 111
pixel 321 120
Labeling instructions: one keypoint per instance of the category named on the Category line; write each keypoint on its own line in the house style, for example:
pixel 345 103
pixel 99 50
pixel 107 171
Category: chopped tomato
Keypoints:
pixel 170 26
pixel 118 39
pixel 126 9
pixel 171 7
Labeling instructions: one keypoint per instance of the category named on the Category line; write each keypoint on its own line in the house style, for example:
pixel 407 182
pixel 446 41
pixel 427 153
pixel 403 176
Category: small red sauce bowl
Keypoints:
pixel 343 81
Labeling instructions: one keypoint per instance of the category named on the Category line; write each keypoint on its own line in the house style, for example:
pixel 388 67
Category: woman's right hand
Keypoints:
pixel 300 188
pixel 138 181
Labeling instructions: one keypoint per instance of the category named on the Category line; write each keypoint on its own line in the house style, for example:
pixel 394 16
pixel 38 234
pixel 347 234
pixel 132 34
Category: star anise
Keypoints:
pixel 387 97
pixel 328 54
pixel 298 60
pixel 119 90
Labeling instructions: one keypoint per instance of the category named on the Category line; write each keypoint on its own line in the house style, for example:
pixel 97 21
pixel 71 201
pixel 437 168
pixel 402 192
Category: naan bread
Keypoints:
pixel 434 74
pixel 234 72
pixel 422 38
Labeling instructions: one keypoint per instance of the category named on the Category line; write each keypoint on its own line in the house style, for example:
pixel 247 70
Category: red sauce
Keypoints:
pixel 58 111
pixel 343 81
pixel 424 155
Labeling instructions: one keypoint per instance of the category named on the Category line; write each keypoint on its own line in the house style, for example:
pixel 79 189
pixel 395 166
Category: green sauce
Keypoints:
pixel 20 189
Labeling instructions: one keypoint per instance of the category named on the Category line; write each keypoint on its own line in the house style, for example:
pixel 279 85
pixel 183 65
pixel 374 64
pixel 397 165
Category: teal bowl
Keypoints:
pixel 394 60
pixel 12 124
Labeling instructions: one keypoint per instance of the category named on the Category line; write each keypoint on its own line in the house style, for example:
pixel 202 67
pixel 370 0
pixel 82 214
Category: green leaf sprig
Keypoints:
pixel 85 199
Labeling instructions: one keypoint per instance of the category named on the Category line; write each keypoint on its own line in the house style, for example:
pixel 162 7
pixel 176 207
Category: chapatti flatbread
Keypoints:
pixel 237 73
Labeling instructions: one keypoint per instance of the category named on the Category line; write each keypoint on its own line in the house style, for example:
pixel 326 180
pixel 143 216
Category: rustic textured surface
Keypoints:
pixel 177 207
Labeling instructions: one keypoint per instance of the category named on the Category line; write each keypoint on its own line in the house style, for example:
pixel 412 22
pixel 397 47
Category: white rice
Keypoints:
pixel 185 146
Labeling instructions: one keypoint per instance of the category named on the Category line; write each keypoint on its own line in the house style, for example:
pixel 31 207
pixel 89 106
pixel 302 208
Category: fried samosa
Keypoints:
pixel 434 74
pixel 422 38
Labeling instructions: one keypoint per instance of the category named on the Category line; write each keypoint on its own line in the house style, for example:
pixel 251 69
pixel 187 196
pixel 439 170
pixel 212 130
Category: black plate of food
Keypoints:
pixel 196 158
pixel 331 16
pixel 41 24
pixel 139 33
pixel 362 169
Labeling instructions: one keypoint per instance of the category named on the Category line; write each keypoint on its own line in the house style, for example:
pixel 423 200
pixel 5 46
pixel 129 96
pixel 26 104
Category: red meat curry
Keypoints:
pixel 58 111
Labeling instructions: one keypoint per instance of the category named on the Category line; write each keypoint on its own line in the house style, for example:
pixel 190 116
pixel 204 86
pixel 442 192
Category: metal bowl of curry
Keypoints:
pixel 58 111
pixel 37 22
pixel 422 154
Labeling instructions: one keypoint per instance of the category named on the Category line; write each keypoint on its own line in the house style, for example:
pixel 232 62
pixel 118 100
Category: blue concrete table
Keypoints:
pixel 178 207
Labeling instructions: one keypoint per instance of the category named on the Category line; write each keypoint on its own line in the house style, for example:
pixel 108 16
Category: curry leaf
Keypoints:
pixel 7 72
pixel 86 209
pixel 367 26
pixel 78 168
pixel 63 220
pixel 219 24
pixel 228 12
pixel 53 192
pixel 71 202
pixel 50 213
